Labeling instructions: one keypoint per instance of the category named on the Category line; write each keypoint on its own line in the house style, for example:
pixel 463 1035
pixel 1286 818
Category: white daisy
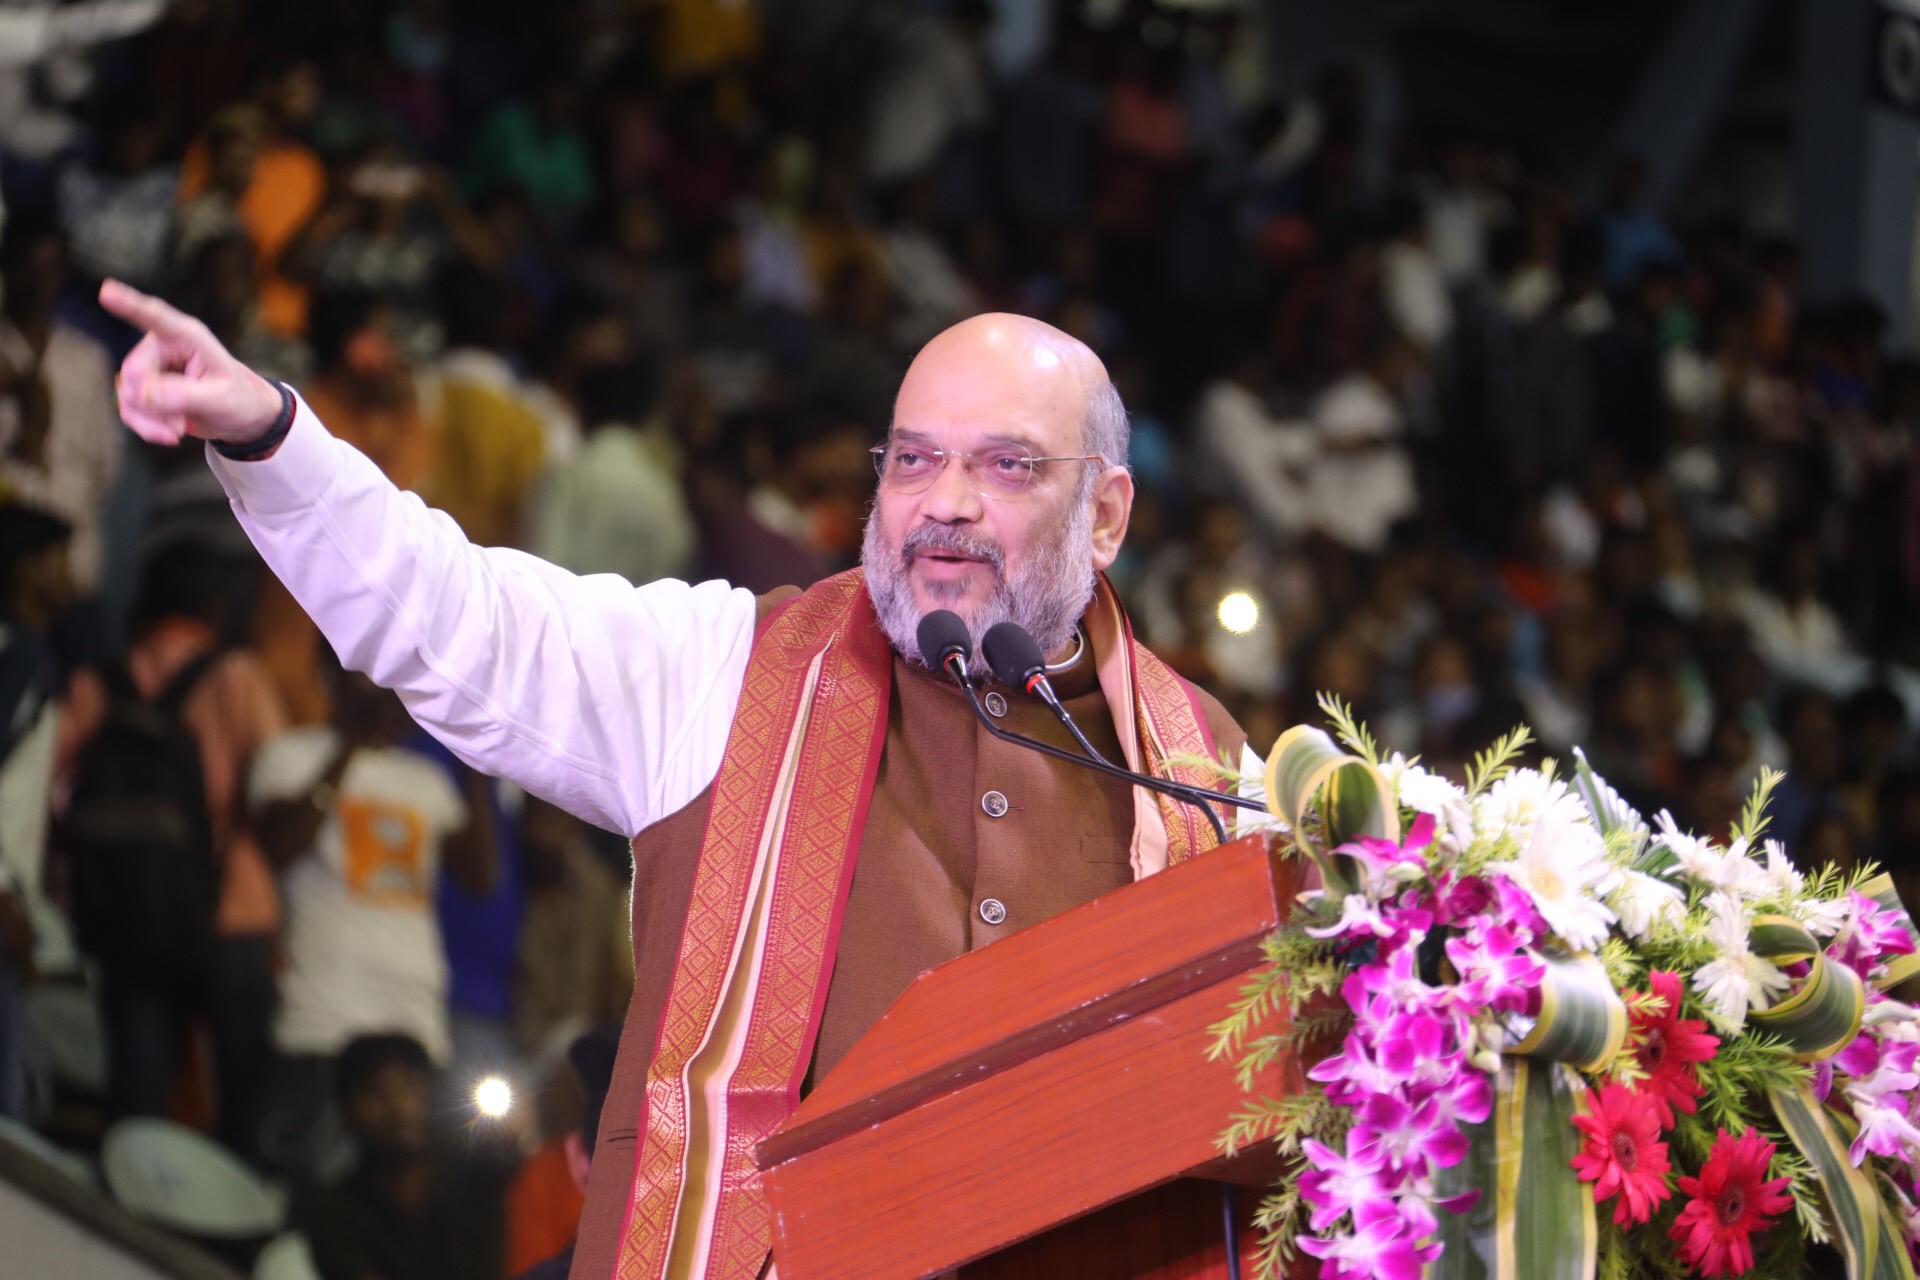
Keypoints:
pixel 1605 801
pixel 1824 916
pixel 1738 980
pixel 1563 867
pixel 1724 870
pixel 1511 807
pixel 1425 792
pixel 1783 880
pixel 1643 901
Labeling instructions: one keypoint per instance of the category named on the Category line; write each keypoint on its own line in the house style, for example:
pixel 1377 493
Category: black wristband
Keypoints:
pixel 259 447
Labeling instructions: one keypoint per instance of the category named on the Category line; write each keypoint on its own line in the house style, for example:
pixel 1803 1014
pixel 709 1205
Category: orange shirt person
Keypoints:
pixel 276 184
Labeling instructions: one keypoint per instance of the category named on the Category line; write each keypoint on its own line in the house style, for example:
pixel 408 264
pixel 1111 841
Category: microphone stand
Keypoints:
pixel 1177 790
pixel 1043 690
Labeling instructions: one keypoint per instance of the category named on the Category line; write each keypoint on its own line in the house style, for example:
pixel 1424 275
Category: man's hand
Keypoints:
pixel 179 381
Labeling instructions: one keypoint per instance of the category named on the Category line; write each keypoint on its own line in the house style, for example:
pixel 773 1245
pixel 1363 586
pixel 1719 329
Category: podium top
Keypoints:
pixel 1117 957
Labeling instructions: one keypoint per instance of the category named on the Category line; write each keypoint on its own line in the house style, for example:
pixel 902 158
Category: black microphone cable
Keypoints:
pixel 943 637
pixel 1015 657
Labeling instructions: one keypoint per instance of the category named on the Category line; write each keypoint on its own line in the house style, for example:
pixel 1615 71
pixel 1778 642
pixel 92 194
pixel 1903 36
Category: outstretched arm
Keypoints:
pixel 611 701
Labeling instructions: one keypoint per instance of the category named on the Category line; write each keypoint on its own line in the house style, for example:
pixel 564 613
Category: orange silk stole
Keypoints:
pixel 756 952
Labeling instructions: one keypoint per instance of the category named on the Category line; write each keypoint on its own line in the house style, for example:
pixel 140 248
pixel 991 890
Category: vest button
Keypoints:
pixel 995 804
pixel 993 911
pixel 996 703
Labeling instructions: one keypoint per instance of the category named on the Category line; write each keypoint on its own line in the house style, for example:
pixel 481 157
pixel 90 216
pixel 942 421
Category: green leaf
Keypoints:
pixel 1753 818
pixel 1851 1199
pixel 1535 1219
pixel 1620 823
pixel 1347 728
pixel 1307 775
pixel 1497 761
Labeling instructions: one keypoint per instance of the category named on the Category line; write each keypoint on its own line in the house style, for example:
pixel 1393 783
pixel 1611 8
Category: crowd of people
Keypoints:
pixel 630 287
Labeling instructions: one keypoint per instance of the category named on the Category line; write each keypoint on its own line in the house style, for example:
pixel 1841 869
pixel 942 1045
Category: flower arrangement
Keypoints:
pixel 1549 1038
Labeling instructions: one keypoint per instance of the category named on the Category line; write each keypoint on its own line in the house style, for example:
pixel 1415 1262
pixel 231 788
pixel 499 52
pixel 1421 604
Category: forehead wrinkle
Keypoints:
pixel 1006 436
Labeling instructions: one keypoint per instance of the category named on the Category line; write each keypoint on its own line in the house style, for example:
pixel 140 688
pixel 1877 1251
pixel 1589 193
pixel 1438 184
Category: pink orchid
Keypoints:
pixel 1455 897
pixel 1381 1247
pixel 1410 1040
pixel 1871 936
pixel 1337 1183
pixel 1413 1137
pixel 1417 1205
pixel 1377 856
pixel 1513 907
pixel 1495 973
pixel 1885 1129
pixel 1397 981
pixel 1466 1099
pixel 1881 1097
pixel 1411 1066
pixel 1352 1073
pixel 1359 918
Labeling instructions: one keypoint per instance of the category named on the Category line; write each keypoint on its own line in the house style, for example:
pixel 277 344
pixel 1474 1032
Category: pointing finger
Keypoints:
pixel 148 313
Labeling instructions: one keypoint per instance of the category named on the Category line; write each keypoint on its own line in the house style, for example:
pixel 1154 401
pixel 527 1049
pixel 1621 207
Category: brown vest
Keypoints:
pixel 936 848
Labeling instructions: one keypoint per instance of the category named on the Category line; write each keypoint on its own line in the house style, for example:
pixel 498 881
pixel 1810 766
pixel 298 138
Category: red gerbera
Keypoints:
pixel 1731 1200
pixel 1623 1153
pixel 1668 1046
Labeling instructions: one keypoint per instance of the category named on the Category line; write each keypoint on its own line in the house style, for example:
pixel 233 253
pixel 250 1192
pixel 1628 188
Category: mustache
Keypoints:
pixel 928 539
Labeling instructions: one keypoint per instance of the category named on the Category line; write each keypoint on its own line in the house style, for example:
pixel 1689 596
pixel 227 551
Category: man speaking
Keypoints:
pixel 816 816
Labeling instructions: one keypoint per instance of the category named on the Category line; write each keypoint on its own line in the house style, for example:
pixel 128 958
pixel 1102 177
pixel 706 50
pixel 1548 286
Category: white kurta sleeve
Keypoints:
pixel 610 700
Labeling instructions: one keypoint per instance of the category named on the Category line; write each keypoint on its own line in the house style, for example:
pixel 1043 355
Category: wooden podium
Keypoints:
pixel 1026 1110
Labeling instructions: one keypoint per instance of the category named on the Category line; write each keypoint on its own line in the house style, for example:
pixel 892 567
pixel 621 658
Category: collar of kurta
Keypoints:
pixel 756 951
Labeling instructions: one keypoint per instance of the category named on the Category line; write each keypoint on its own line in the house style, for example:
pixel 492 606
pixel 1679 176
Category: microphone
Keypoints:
pixel 1015 657
pixel 943 635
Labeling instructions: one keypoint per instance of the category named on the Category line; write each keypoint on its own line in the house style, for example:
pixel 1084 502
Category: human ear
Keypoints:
pixel 1112 508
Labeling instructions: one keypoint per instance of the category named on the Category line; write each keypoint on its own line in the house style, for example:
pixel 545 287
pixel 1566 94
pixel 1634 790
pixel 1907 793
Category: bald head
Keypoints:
pixel 988 392
pixel 1021 374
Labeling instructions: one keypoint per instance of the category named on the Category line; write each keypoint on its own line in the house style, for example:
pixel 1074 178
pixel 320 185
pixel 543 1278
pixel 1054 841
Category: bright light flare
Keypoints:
pixel 493 1097
pixel 1239 612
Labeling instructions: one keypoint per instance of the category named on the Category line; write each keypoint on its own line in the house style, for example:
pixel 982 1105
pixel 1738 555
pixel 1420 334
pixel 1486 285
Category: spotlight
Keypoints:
pixel 493 1097
pixel 1239 612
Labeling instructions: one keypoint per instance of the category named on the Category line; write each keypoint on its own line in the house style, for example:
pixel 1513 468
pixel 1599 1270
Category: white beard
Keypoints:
pixel 1047 595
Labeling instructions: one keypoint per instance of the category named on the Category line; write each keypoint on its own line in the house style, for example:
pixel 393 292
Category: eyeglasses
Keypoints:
pixel 999 471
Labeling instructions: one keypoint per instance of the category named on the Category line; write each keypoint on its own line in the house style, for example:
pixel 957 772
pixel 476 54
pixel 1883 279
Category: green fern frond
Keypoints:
pixel 1753 817
pixel 1497 760
pixel 1624 968
pixel 1350 731
pixel 1802 1185
pixel 1261 997
pixel 1287 1122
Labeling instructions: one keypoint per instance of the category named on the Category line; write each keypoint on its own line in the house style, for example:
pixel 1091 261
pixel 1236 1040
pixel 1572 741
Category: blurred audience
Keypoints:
pixel 360 828
pixel 543 1205
pixel 631 288
pixel 576 959
pixel 412 1208
pixel 161 804
pixel 36 588
pixel 60 438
